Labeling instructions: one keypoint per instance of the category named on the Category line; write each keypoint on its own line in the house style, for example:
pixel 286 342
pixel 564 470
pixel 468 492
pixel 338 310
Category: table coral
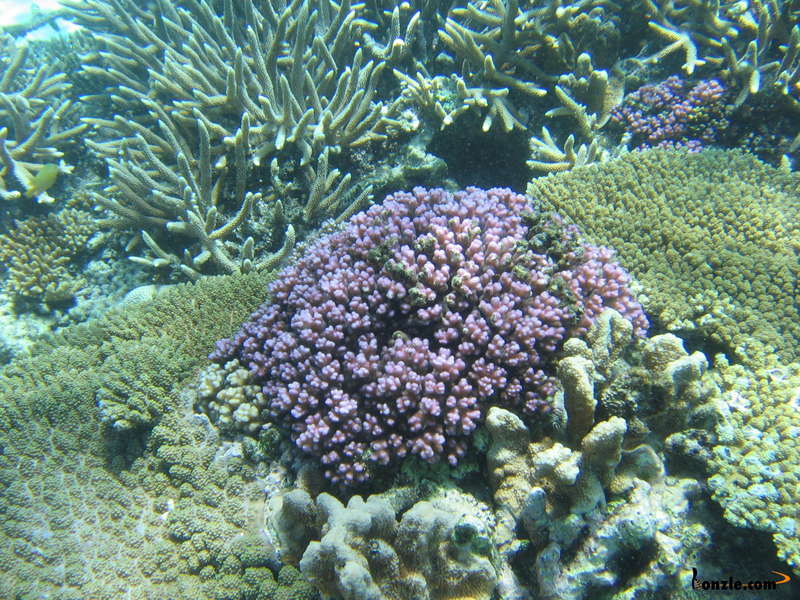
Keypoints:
pixel 390 337
pixel 713 237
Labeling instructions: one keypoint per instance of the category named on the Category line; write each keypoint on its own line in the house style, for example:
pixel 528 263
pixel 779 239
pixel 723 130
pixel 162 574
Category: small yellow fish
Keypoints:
pixel 43 180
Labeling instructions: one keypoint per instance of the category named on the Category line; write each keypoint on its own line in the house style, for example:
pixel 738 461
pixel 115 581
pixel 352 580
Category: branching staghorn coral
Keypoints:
pixel 528 49
pixel 490 51
pixel 755 43
pixel 258 80
pixel 296 72
pixel 398 47
pixel 33 117
pixel 327 190
pixel 552 159
pixel 182 201
pixel 508 54
pixel 411 27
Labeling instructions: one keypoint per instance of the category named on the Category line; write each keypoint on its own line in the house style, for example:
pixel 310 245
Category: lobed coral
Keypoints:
pixel 591 508
pixel 390 337
pixel 437 550
pixel 587 510
pixel 712 236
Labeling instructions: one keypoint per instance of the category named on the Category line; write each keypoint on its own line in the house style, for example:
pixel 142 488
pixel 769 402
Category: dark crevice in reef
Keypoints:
pixel 485 160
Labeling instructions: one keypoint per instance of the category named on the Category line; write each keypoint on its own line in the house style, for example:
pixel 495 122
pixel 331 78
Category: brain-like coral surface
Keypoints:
pixel 391 336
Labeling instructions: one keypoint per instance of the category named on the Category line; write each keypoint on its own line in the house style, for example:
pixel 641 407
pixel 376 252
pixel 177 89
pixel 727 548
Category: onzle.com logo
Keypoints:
pixel 735 584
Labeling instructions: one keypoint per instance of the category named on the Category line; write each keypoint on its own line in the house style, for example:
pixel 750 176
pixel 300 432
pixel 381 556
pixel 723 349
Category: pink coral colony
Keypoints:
pixel 393 336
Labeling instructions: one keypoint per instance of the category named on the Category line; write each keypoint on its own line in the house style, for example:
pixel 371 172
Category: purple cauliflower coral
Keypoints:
pixel 393 336
pixel 674 114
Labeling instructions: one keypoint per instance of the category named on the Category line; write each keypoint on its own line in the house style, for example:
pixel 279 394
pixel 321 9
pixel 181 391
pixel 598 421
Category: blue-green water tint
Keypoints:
pixel 201 146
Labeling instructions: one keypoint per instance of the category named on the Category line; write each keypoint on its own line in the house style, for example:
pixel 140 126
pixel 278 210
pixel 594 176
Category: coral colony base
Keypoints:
pixel 391 337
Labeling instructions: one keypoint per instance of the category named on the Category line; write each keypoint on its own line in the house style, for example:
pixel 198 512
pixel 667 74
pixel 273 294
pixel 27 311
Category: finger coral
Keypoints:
pixel 390 337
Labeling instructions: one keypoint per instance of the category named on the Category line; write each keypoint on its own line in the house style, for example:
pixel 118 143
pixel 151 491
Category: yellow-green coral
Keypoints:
pixel 92 515
pixel 37 253
pixel 713 237
pixel 756 462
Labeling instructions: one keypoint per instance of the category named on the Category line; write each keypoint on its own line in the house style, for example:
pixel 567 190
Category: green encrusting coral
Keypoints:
pixel 151 512
pixel 713 237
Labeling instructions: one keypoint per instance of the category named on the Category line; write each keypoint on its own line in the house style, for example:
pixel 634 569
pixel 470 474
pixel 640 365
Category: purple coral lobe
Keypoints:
pixel 393 336
pixel 673 114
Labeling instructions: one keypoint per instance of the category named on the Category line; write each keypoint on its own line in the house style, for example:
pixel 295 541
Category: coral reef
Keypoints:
pixel 479 360
pixel 391 337
pixel 738 423
pixel 38 251
pixel 93 512
pixel 438 550
pixel 673 114
pixel 229 394
pixel 139 388
pixel 715 249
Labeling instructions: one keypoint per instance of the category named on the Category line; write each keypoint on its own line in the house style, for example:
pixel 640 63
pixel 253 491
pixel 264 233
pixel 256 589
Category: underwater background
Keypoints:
pixel 420 300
